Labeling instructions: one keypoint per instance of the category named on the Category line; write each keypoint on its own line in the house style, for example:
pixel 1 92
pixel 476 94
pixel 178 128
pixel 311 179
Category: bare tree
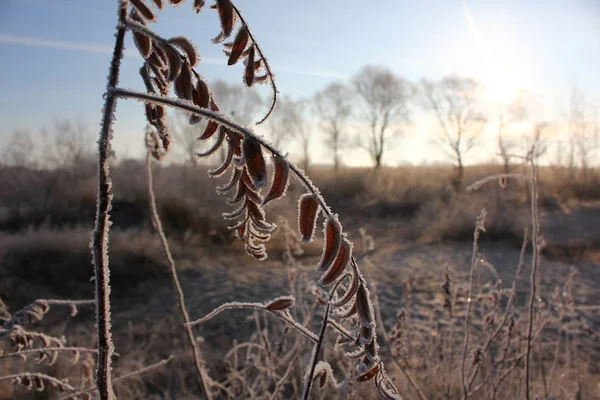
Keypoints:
pixel 242 103
pixel 20 151
pixel 583 134
pixel 455 100
pixel 333 107
pixel 185 136
pixel 509 115
pixel 288 121
pixel 69 144
pixel 383 98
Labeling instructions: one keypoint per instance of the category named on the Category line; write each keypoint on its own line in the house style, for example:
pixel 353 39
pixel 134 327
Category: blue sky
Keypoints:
pixel 55 53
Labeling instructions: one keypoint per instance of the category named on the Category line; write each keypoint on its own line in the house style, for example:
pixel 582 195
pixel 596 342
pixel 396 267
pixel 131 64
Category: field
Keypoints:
pixel 413 234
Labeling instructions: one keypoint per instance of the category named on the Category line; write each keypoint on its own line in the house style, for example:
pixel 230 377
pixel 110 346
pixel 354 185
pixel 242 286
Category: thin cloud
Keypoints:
pixel 310 72
pixel 78 46
pixel 472 25
pixel 55 44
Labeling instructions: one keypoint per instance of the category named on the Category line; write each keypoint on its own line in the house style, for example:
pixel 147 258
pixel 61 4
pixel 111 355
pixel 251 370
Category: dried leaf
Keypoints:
pixel 280 303
pixel 198 4
pixel 235 178
pixel 174 63
pixel 364 306
pixel 188 48
pixel 239 44
pixel 226 16
pixel 249 73
pixel 201 94
pixel 280 179
pixel 255 162
pixel 339 265
pixel 261 78
pixel 223 167
pixel 211 128
pixel 143 43
pixel 370 374
pixel 307 216
pixel 240 192
pixel 351 290
pixel 159 4
pixel 183 83
pixel 349 312
pixel 333 241
pixel 215 146
pixel 143 9
pixel 176 2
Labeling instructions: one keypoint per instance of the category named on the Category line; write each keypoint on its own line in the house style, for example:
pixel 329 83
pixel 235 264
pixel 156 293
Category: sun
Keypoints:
pixel 501 86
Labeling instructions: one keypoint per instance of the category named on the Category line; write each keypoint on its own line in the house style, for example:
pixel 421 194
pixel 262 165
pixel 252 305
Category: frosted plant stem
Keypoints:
pixel 316 351
pixel 198 360
pixel 535 222
pixel 100 234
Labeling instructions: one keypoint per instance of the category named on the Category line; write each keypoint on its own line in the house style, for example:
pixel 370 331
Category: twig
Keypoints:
pixel 198 360
pixel 534 268
pixel 255 306
pixel 474 258
pixel 100 233
pixel 47 350
pixel 123 377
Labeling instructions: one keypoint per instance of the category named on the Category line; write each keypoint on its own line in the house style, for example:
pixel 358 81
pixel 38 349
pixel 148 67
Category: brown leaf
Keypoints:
pixel 351 290
pixel 280 179
pixel 249 73
pixel 261 78
pixel 370 374
pixel 215 146
pixel 198 4
pixel 159 4
pixel 201 94
pixel 255 162
pixel 144 73
pixel 183 83
pixel 143 43
pixel 188 48
pixel 364 307
pixel 240 192
pixel 235 178
pixel 308 207
pixel 339 265
pixel 211 128
pixel 239 44
pixel 226 16
pixel 176 2
pixel 349 312
pixel 174 63
pixel 223 167
pixel 280 303
pixel 143 9
pixel 333 241
pixel 136 17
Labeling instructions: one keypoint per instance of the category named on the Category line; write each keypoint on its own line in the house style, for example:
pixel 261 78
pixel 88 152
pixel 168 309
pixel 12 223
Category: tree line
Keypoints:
pixel 370 111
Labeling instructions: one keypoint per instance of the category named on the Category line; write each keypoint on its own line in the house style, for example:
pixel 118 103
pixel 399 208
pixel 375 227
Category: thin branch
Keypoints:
pixel 265 63
pixel 534 267
pixel 198 360
pixel 43 350
pixel 255 306
pixel 100 233
pixel 123 377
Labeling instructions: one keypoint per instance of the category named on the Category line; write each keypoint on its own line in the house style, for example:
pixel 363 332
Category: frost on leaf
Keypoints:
pixel 308 208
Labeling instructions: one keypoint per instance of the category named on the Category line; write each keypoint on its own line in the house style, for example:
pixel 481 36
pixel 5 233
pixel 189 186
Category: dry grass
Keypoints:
pixel 456 326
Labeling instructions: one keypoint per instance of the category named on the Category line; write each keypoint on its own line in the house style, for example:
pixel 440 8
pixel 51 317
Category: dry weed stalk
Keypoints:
pixel 168 64
pixel 29 345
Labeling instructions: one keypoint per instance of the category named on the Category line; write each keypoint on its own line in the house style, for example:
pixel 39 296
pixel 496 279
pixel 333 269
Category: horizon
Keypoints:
pixel 54 48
